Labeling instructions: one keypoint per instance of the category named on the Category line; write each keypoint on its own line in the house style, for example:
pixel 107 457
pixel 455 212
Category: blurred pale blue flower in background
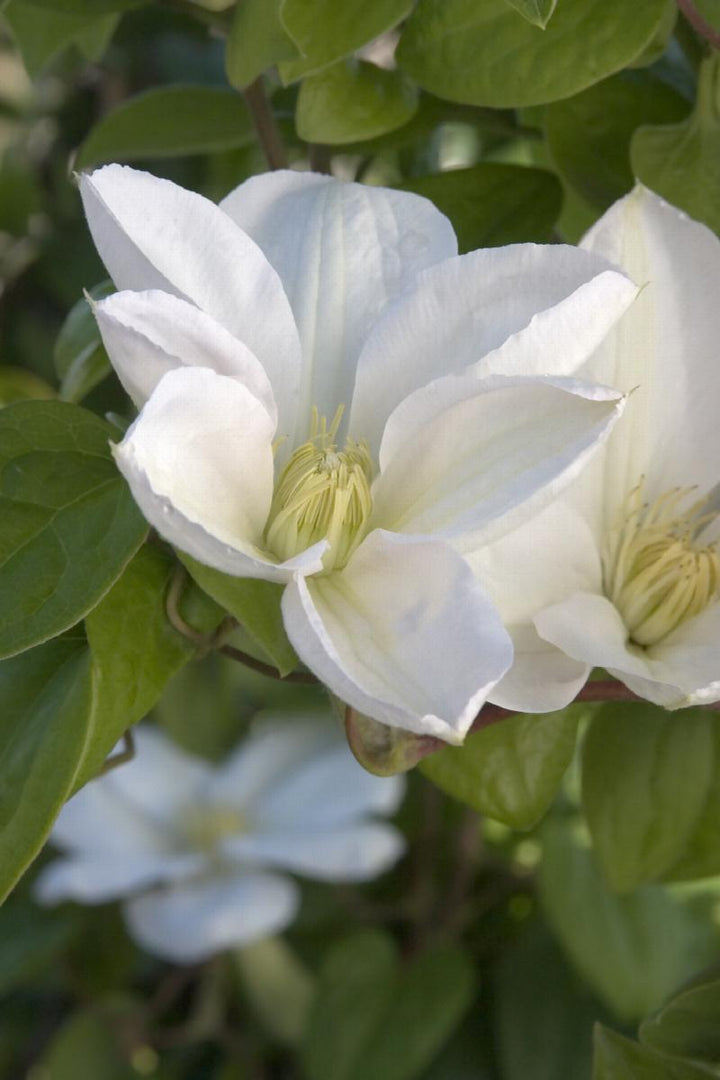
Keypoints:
pixel 194 849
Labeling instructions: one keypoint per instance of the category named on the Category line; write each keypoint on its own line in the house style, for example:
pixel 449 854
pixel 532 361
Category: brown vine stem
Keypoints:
pixel 126 754
pixel 265 124
pixel 699 23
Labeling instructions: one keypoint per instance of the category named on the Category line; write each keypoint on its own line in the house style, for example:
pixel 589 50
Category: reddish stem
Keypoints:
pixel 698 23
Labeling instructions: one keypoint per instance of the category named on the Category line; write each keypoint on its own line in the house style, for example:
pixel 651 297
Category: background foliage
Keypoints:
pixel 562 870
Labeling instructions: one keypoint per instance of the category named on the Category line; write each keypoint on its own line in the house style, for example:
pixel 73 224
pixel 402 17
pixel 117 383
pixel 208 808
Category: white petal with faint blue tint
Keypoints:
pixel 194 920
pixel 342 251
pixel 346 853
pixel 152 234
pixel 199 463
pixel 300 770
pixel 469 459
pixel 148 334
pixel 541 679
pixel 403 633
pixel 461 310
pixel 97 879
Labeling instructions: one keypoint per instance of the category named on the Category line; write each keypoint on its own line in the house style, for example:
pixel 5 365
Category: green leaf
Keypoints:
pixel 80 358
pixel 511 770
pixel 374 1018
pixel 41 30
pixel 46 702
pixel 169 121
pixel 479 52
pixel 589 134
pixel 278 986
pixel 93 40
pixel 68 523
pixel 544 1014
pixel 19 384
pixel 30 940
pixel 135 651
pixel 632 950
pixel 92 1038
pixel 353 100
pixel 537 12
pixel 688 1026
pixel 618 1058
pixel 88 8
pixel 255 604
pixel 681 162
pixel 661 765
pixel 700 857
pixel 257 41
pixel 491 204
pixel 325 31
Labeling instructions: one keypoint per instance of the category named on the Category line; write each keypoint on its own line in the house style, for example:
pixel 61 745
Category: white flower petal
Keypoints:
pixel 199 464
pixel 464 308
pixel 541 679
pixel 350 853
pixel 403 634
pixel 300 772
pixel 469 459
pixel 194 920
pixel 109 876
pixel 152 234
pixel 148 334
pixel 666 345
pixel 342 251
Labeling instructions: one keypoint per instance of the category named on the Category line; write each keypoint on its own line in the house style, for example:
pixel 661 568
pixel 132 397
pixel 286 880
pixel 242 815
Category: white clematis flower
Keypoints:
pixel 194 849
pixel 316 410
pixel 623 571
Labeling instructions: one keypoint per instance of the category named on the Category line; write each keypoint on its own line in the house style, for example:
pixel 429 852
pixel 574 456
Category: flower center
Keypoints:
pixel 322 494
pixel 656 573
pixel 205 826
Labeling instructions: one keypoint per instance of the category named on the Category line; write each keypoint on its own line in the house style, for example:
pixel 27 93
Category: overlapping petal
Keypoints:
pixel 404 633
pixel 351 852
pixel 468 458
pixel 199 463
pixel 152 234
pixel 97 879
pixel 342 252
pixel 552 305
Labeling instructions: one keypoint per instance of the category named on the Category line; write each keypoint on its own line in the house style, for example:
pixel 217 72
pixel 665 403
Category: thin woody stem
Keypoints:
pixel 699 23
pixel 126 754
pixel 265 124
pixel 306 678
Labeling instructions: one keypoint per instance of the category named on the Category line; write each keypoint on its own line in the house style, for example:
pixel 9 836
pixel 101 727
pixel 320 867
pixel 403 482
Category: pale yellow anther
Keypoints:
pixel 656 573
pixel 206 826
pixel 322 494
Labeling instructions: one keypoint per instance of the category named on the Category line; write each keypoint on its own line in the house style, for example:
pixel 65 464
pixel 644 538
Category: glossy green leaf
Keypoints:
pixel 491 204
pixel 46 703
pixel 42 30
pixel 257 40
pixel 700 857
pixel 618 1058
pixel 374 1017
pixel 681 162
pixel 19 384
pixel 68 524
pixel 169 121
pixel 353 100
pixel 481 53
pixel 688 1026
pixel 661 765
pixel 632 950
pixel 80 357
pixel 545 1015
pixel 537 12
pixel 135 651
pixel 589 134
pixel 255 604
pixel 511 770
pixel 325 31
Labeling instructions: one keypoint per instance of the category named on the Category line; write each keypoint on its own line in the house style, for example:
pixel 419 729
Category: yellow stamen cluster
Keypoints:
pixel 322 494
pixel 656 573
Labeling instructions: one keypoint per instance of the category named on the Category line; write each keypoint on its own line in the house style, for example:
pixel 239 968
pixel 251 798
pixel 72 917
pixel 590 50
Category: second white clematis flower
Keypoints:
pixel 623 572
pixel 316 410
pixel 200 853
